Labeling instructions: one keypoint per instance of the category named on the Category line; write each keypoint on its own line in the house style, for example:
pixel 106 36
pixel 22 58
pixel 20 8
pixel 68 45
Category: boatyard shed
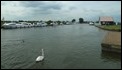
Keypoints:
pixel 106 20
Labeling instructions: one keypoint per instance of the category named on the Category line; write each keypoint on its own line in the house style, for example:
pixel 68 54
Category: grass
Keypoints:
pixel 111 27
pixel 116 27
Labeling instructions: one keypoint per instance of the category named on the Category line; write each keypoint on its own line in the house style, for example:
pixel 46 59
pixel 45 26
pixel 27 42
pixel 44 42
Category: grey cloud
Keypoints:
pixel 31 3
pixel 41 5
pixel 92 10
pixel 72 8
pixel 37 11
pixel 41 8
pixel 56 7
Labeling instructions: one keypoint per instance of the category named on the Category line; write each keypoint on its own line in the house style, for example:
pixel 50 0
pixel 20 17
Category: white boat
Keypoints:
pixel 16 25
pixel 91 23
pixel 9 25
pixel 25 24
pixel 52 24
pixel 68 23
pixel 40 24
pixel 43 24
pixel 41 57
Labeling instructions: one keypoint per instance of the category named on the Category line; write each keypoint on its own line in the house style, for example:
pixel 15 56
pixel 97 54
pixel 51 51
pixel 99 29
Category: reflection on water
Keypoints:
pixel 110 56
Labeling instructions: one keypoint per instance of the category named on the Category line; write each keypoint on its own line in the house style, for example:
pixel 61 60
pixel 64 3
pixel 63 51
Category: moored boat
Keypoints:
pixel 16 25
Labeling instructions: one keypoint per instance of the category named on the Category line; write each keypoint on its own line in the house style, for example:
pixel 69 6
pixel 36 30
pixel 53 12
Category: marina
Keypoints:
pixel 60 35
pixel 22 25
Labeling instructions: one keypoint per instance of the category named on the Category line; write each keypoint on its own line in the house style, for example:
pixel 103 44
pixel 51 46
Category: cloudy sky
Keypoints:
pixel 60 10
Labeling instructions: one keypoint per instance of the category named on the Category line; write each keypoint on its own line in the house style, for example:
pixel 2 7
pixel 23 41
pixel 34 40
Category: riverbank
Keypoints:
pixel 112 42
pixel 110 27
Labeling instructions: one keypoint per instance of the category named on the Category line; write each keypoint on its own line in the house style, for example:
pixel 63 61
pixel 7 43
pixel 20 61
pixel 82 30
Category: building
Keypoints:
pixel 106 20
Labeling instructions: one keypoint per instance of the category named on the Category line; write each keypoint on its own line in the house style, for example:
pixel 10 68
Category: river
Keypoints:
pixel 75 46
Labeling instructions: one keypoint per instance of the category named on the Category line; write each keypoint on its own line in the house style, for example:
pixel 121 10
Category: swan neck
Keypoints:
pixel 42 52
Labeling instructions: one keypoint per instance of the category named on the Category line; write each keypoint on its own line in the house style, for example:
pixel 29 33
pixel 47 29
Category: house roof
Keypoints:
pixel 106 18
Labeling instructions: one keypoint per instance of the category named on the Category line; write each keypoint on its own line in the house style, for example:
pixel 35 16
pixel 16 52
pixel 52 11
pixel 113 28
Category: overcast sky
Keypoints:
pixel 60 10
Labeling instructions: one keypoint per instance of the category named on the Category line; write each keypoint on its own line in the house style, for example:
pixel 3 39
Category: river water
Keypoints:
pixel 75 46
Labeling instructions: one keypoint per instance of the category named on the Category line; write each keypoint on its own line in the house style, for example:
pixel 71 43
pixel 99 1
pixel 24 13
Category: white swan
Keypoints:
pixel 40 58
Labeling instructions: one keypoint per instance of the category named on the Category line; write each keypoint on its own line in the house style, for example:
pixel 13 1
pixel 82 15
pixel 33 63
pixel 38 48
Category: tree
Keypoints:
pixel 64 22
pixel 21 21
pixel 73 20
pixel 81 20
pixel 49 22
pixel 58 22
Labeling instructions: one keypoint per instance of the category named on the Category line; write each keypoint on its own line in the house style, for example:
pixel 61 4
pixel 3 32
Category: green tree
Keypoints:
pixel 64 22
pixel 97 21
pixel 58 22
pixel 49 22
pixel 73 20
pixel 21 21
pixel 81 20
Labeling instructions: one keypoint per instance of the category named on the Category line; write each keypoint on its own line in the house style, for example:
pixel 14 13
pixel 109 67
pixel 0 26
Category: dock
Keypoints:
pixel 112 42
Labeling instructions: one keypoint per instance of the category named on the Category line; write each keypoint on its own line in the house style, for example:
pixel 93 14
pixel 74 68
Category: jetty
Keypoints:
pixel 112 42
